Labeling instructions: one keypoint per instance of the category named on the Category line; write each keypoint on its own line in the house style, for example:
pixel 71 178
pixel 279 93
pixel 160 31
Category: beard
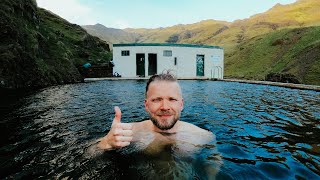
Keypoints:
pixel 166 125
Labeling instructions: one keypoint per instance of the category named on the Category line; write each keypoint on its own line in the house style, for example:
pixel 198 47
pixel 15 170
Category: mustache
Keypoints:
pixel 164 114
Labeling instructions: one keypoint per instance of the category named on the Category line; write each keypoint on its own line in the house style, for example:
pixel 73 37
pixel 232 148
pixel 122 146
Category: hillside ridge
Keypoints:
pixel 39 49
pixel 246 41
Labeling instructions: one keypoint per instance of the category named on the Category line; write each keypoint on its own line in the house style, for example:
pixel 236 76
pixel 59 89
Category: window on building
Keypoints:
pixel 167 53
pixel 125 53
pixel 175 61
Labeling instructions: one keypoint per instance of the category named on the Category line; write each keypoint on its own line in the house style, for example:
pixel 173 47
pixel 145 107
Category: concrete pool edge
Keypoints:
pixel 139 78
pixel 280 84
pixel 287 85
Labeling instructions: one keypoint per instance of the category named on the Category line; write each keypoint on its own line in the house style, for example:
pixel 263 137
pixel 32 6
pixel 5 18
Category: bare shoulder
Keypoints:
pixel 196 134
pixel 185 126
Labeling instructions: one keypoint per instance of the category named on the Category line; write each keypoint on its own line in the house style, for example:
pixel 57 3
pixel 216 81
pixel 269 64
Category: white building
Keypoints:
pixel 184 60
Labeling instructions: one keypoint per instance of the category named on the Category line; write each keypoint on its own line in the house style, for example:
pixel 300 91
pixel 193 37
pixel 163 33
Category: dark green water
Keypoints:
pixel 262 132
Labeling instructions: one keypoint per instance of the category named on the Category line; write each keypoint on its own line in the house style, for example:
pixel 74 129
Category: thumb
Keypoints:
pixel 117 116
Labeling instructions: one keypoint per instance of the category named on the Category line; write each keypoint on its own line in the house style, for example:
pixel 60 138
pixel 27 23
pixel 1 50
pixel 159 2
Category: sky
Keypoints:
pixel 155 13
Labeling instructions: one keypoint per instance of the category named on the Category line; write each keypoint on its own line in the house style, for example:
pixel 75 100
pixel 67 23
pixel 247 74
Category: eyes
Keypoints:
pixel 157 100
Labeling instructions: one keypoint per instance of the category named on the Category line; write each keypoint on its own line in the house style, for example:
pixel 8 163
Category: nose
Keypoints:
pixel 165 105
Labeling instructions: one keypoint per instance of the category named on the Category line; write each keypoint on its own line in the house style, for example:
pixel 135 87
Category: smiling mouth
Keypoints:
pixel 165 115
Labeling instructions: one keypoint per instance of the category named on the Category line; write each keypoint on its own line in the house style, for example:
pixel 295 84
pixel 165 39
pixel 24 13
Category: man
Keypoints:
pixel 164 103
pixel 166 146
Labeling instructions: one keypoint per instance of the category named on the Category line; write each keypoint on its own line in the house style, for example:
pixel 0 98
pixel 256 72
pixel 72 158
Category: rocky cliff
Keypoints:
pixel 40 49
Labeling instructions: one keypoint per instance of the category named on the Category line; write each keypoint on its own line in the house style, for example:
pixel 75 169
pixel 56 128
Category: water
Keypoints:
pixel 262 132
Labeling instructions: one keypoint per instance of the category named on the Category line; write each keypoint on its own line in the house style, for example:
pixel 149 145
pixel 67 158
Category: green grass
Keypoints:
pixel 41 49
pixel 292 51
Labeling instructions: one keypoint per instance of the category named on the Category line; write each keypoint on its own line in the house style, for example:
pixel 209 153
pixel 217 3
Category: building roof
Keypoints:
pixel 167 44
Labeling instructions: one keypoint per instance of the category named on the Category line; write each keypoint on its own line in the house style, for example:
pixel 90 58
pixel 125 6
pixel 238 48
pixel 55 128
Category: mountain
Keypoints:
pixel 178 33
pixel 294 52
pixel 39 49
pixel 300 13
pixel 282 40
pixel 111 35
pixel 196 33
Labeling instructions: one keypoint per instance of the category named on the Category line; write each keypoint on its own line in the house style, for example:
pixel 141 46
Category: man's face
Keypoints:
pixel 164 103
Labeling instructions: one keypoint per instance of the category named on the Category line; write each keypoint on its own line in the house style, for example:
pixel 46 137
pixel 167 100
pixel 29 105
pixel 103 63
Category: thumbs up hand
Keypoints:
pixel 120 134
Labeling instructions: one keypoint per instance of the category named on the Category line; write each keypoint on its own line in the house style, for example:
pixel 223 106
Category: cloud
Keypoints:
pixel 71 10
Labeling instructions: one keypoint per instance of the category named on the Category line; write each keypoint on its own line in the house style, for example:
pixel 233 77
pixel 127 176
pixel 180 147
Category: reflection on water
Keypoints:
pixel 262 132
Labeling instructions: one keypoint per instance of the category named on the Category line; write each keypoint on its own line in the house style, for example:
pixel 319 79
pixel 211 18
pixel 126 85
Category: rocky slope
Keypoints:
pixel 39 49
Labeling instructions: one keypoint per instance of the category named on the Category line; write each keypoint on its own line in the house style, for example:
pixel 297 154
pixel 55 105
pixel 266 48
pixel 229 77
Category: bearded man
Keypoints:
pixel 164 103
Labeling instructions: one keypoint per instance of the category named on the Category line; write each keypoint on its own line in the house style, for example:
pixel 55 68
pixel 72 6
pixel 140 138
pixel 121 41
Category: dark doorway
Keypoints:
pixel 140 62
pixel 152 61
pixel 200 65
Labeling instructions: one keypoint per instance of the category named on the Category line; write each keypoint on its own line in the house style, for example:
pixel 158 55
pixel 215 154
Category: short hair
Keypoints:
pixel 164 76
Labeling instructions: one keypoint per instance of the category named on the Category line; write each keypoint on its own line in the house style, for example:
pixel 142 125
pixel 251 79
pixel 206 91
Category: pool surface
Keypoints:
pixel 262 132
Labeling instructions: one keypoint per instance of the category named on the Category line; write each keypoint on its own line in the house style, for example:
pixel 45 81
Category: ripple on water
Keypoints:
pixel 262 132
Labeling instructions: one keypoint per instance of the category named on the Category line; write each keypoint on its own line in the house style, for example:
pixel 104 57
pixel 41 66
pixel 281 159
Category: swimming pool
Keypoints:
pixel 262 132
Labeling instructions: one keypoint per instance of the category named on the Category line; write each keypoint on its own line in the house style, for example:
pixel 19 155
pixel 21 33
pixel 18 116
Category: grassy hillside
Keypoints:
pixel 287 51
pixel 74 43
pixel 197 33
pixel 40 49
pixel 282 40
pixel 300 14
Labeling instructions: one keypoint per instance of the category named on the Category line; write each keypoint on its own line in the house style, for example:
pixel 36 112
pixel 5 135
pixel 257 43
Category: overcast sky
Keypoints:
pixel 155 13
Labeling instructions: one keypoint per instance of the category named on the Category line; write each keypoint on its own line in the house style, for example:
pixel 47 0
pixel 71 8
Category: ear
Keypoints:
pixel 146 105
pixel 182 104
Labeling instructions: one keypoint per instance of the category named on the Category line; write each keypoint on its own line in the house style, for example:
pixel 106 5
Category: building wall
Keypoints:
pixel 186 60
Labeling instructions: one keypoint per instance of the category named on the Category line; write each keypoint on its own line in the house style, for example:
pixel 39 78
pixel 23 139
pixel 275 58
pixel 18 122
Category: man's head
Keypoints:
pixel 164 101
